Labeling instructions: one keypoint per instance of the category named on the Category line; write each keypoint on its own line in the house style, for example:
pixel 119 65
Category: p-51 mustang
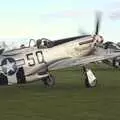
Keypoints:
pixel 27 64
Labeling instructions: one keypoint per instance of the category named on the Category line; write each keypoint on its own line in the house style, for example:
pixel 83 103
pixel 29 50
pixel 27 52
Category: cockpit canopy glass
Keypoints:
pixel 44 43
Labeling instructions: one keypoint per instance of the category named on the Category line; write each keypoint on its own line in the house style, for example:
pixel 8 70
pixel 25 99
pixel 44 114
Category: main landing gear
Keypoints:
pixel 49 81
pixel 89 77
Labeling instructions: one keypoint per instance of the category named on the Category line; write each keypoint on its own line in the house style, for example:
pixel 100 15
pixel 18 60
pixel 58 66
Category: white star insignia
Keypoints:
pixel 9 66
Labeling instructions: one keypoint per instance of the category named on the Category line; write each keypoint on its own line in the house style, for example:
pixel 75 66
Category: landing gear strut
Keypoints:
pixel 49 81
pixel 90 79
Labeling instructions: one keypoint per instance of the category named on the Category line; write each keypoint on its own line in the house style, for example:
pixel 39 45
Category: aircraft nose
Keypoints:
pixel 98 39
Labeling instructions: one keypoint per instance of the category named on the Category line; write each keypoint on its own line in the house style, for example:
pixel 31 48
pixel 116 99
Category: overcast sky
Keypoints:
pixel 21 20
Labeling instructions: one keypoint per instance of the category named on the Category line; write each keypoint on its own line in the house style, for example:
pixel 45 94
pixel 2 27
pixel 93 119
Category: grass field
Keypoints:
pixel 68 100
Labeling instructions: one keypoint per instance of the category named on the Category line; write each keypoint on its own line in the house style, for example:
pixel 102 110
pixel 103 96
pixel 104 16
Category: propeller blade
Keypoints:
pixel 98 20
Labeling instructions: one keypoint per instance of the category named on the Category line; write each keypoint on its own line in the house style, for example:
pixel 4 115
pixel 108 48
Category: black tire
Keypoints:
pixel 49 81
pixel 89 85
pixel 3 79
pixel 116 63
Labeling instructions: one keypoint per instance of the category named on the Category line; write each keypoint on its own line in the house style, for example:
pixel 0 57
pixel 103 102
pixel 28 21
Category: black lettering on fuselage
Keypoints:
pixel 34 58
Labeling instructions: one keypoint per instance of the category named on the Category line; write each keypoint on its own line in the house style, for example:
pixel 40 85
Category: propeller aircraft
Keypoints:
pixel 32 63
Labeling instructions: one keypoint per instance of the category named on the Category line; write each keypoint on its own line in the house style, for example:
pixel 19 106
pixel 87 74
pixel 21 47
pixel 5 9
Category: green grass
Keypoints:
pixel 68 100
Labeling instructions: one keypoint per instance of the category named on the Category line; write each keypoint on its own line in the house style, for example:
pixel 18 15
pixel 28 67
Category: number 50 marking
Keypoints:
pixel 31 58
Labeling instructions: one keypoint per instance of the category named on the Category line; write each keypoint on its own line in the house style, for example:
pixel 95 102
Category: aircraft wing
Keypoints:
pixel 70 62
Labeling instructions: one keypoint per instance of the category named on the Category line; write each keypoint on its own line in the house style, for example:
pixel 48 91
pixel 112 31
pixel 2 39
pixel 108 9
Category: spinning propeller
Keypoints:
pixel 96 37
pixel 98 20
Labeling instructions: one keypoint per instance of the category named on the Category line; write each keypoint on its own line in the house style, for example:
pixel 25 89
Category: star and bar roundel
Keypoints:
pixel 9 66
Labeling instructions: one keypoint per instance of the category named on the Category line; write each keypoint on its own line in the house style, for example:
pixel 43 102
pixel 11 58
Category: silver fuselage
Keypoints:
pixel 32 59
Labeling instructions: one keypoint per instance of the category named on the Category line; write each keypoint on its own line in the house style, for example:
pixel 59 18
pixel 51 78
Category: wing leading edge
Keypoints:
pixel 70 62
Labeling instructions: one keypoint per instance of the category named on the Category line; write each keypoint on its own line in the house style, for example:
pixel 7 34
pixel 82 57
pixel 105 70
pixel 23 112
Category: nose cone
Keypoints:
pixel 98 39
